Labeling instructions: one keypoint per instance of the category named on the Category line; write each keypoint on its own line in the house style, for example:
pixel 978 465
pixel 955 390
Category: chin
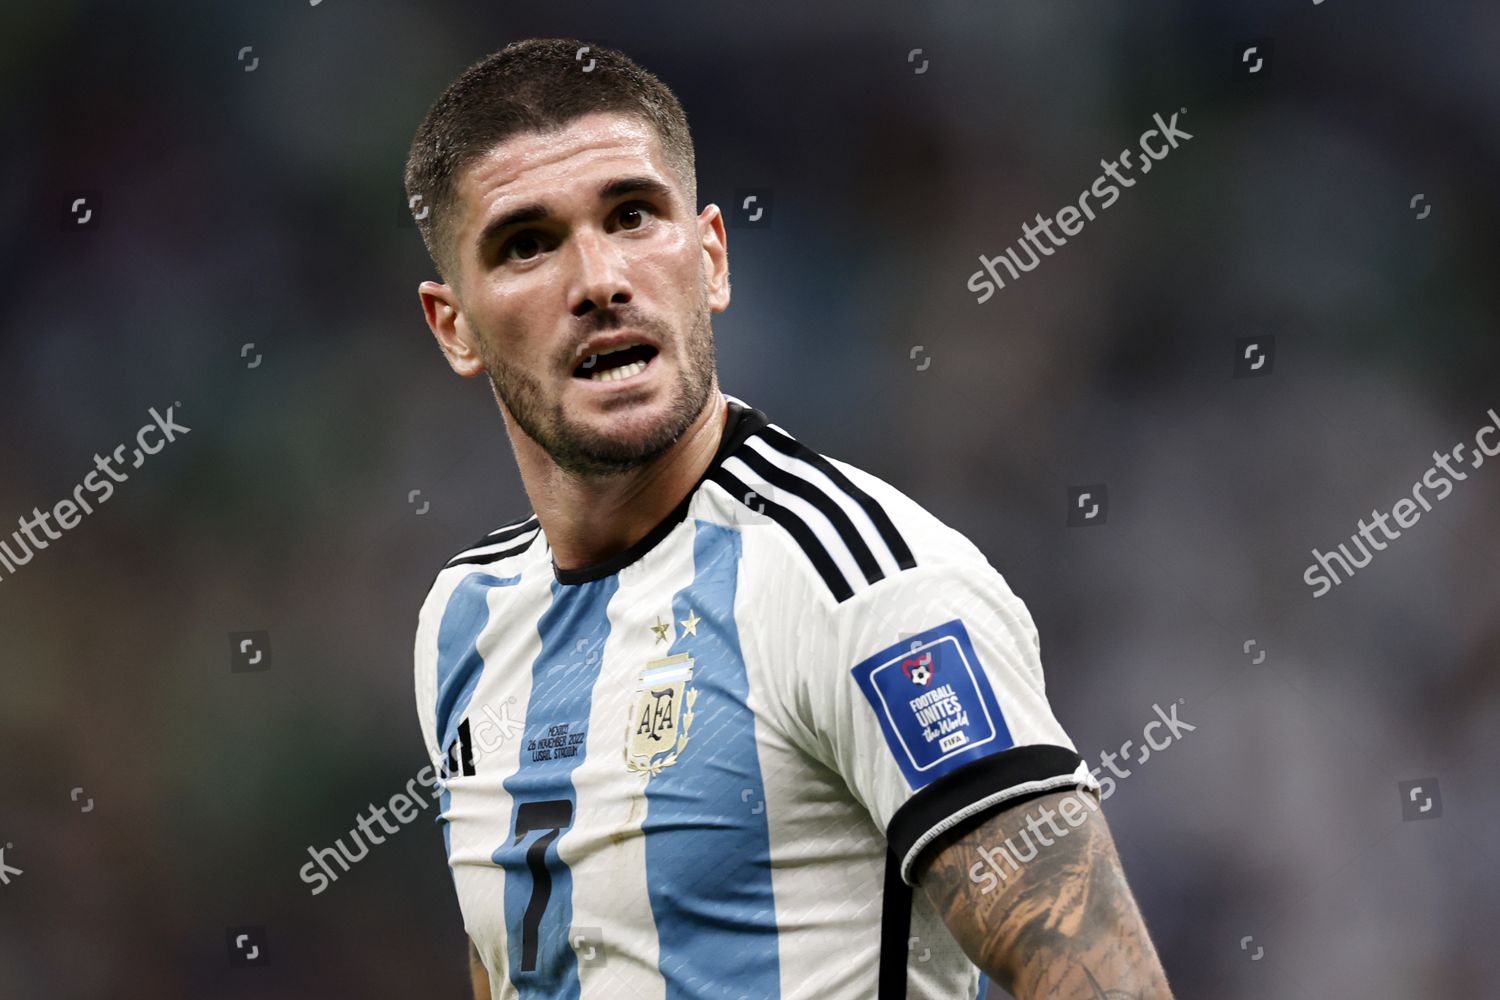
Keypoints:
pixel 627 428
pixel 639 431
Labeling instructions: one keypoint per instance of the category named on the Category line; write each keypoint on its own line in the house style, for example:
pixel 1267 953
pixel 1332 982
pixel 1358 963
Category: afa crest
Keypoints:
pixel 660 715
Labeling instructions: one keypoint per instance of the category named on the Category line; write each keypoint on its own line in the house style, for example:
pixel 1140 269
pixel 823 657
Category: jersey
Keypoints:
pixel 706 768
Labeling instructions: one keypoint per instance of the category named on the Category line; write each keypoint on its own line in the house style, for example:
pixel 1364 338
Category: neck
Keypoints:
pixel 589 520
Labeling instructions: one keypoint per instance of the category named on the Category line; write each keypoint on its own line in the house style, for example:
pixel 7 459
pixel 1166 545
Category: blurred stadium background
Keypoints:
pixel 263 206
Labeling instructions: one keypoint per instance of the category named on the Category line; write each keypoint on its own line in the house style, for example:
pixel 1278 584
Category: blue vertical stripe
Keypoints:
pixel 708 855
pixel 544 803
pixel 459 663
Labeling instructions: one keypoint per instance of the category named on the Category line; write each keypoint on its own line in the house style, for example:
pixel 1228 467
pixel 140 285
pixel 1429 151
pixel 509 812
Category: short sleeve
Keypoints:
pixel 926 694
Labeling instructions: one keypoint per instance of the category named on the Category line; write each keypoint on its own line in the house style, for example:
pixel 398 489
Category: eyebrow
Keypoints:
pixel 536 211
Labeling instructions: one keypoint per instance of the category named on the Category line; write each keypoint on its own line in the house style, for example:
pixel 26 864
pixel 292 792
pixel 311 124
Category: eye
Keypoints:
pixel 632 216
pixel 522 246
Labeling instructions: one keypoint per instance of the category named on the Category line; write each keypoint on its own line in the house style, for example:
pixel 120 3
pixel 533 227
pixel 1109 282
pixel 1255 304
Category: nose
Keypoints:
pixel 599 273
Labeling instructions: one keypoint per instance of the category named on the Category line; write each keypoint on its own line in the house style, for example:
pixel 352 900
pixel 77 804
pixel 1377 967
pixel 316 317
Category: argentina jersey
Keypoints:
pixel 707 767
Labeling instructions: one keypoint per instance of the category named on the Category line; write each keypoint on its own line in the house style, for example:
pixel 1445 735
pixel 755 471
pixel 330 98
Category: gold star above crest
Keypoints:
pixel 660 628
pixel 690 623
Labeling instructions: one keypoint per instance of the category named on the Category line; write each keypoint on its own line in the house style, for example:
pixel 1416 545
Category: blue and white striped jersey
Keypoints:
pixel 704 769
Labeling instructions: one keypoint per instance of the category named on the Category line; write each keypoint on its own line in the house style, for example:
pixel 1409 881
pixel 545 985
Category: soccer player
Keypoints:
pixel 721 716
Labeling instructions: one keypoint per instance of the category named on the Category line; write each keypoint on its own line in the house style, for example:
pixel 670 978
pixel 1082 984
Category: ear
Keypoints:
pixel 715 256
pixel 445 319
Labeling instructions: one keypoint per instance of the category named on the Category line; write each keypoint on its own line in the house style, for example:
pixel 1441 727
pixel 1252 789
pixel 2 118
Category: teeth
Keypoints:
pixel 615 374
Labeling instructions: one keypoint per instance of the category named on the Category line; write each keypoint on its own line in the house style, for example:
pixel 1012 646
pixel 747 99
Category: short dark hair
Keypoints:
pixel 535 85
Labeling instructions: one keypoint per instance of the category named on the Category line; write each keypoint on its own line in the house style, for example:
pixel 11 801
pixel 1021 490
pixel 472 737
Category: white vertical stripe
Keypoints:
pixel 829 863
pixel 605 848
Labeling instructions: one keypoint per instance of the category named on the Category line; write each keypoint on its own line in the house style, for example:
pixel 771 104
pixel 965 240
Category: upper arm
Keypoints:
pixel 1036 897
pixel 925 693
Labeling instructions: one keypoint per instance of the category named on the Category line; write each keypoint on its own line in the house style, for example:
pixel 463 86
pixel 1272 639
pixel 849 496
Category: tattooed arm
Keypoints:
pixel 1060 925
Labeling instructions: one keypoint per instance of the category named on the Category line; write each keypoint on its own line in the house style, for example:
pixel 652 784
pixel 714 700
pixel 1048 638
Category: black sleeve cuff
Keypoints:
pixel 977 788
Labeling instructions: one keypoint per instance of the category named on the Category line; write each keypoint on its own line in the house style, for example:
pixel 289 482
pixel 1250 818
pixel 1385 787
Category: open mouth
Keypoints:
pixel 615 364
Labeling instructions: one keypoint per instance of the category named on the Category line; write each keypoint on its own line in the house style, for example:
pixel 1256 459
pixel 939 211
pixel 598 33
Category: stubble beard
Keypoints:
pixel 578 449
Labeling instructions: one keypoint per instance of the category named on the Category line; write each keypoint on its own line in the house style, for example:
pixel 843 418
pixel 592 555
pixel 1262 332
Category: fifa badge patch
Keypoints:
pixel 934 702
pixel 660 715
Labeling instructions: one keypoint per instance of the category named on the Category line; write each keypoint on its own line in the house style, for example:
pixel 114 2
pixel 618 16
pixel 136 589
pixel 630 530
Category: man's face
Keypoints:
pixel 573 236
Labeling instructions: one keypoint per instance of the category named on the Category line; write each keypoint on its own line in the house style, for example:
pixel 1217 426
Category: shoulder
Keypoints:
pixel 505 542
pixel 499 552
pixel 933 540
pixel 835 525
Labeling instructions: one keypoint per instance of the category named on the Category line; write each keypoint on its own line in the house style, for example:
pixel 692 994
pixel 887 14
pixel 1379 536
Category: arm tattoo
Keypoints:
pixel 1100 993
pixel 1061 922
